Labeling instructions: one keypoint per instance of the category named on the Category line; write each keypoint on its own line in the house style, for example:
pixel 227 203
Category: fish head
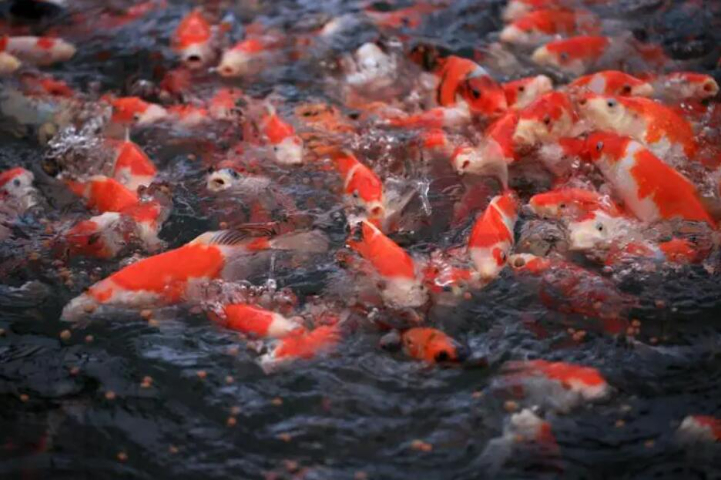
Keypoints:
pixel 595 230
pixel 16 187
pixel 489 261
pixel 520 93
pixel 234 63
pixel 289 151
pixel 222 179
pixel 432 345
pixel 602 111
pixel 483 95
pixel 546 119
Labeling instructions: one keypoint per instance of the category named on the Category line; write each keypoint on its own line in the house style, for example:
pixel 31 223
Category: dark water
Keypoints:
pixel 75 408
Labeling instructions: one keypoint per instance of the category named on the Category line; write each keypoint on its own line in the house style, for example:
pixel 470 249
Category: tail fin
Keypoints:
pixel 313 241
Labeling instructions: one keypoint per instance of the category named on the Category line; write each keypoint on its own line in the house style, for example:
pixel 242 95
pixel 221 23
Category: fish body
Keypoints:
pixel 361 185
pixel 134 110
pixel 574 56
pixel 301 345
pixel 287 146
pixel 570 203
pixel 649 188
pixel 696 429
pixel 586 382
pixel 614 83
pixel 541 26
pixel 401 286
pixel 659 127
pixel 256 321
pixel 492 235
pixel 104 194
pixel 131 165
pixel 464 80
pixel 40 51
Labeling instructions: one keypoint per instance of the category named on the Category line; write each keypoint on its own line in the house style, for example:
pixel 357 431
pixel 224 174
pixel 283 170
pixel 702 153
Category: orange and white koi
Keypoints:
pixel 541 26
pixel 174 276
pixel 597 229
pixel 441 276
pixel 659 127
pixel 224 104
pixel 409 17
pixel 585 382
pixel 574 56
pixel 45 86
pixel 613 82
pixel 256 321
pixel 104 194
pixel 520 93
pixel 16 190
pixel 463 80
pixel 245 57
pixel 131 166
pixel 687 86
pixel 678 251
pixel 492 235
pixel 432 346
pixel 193 40
pixel 571 289
pixel 570 203
pixel 361 186
pixel 301 345
pixel 650 189
pixel 495 153
pixel 400 285
pixel 548 118
pixel 41 51
pixel 287 146
pixel 699 429
pixel 134 110
pixel 102 236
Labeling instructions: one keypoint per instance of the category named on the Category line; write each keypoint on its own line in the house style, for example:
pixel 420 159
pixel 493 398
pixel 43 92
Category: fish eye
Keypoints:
pixel 599 146
pixel 521 88
pixel 626 89
pixel 136 116
pixel 234 174
pixel 16 182
pixel 563 56
pixel 611 103
pixel 519 262
pixel 547 120
pixel 475 93
pixel 442 356
pixel 599 227
pixel 562 206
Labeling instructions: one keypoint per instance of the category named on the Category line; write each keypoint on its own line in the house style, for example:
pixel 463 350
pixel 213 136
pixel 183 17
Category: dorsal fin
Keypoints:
pixel 232 237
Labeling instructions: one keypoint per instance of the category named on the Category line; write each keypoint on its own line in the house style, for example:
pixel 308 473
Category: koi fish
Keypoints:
pixel 16 190
pixel 256 321
pixel 650 189
pixel 41 86
pixel 545 120
pixel 442 276
pixel 492 235
pixel 301 345
pixel 678 251
pixel 193 40
pixel 699 429
pixel 40 51
pixel 571 289
pixel 233 177
pixel 659 127
pixel 585 383
pixel 596 229
pixel 614 83
pixel 464 80
pixel 243 58
pixel 687 86
pixel 134 110
pixel 541 26
pixel 432 346
pixel 571 203
pixel 400 286
pixel 361 185
pixel 520 93
pixel 175 275
pixel 131 166
pixel 287 146
pixel 409 17
pixel 101 236
pixel 495 153
pixel 104 194
pixel 574 56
